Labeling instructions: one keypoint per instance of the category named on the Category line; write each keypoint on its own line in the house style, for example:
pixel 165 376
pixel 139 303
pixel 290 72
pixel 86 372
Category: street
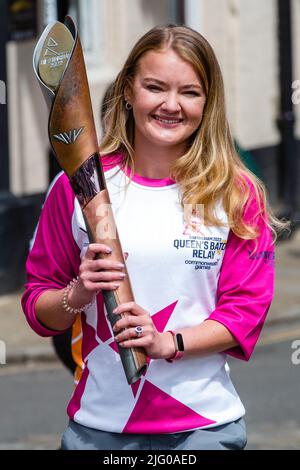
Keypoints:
pixel 34 397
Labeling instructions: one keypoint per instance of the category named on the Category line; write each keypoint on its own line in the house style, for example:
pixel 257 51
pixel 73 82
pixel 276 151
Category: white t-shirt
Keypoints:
pixel 175 271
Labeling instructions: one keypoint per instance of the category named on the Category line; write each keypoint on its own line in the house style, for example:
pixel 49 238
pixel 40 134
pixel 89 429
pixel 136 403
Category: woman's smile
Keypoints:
pixel 167 121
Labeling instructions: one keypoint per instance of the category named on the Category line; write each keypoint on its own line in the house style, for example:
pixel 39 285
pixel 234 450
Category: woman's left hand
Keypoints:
pixel 157 345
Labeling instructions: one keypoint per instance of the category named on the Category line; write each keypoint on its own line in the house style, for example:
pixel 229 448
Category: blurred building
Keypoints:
pixel 246 36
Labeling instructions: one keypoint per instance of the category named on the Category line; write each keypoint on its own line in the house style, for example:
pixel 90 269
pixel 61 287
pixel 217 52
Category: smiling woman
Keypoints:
pixel 172 74
pixel 167 109
pixel 200 292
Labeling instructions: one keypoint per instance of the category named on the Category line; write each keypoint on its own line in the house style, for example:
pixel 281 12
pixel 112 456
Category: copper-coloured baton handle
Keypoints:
pixel 60 68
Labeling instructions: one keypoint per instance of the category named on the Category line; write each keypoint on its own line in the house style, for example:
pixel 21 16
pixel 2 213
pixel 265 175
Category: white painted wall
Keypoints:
pixel 28 138
pixel 115 26
pixel 258 85
pixel 243 35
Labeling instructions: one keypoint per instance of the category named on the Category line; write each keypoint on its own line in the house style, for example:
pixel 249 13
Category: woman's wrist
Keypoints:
pixel 76 296
pixel 169 346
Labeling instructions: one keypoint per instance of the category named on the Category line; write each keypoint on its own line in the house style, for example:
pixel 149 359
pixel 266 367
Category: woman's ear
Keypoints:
pixel 128 92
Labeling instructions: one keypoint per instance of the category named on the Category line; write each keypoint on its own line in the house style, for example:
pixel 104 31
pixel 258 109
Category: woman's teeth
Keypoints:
pixel 167 121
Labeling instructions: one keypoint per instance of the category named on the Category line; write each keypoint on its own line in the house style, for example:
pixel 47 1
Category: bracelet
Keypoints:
pixel 65 302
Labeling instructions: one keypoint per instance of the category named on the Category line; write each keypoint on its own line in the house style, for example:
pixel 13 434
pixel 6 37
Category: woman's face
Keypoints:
pixel 167 99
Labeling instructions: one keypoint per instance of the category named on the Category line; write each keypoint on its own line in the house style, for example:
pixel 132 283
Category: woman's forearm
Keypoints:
pixel 49 306
pixel 207 338
pixel 50 312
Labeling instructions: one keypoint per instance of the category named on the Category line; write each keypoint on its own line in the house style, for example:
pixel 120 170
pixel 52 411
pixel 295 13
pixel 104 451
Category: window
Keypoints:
pixel 89 16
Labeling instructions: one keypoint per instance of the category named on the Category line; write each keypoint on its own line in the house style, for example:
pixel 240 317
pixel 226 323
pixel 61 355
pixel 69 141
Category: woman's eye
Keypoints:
pixel 153 88
pixel 192 93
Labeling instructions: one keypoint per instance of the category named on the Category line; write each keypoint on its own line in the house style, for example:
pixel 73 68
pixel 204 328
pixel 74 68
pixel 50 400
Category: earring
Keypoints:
pixel 128 106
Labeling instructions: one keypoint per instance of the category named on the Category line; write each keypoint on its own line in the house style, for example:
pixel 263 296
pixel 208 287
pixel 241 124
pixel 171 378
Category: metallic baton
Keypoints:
pixel 60 69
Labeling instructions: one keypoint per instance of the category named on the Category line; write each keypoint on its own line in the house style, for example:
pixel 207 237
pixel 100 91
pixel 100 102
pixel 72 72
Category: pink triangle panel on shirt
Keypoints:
pixel 156 412
pixel 74 404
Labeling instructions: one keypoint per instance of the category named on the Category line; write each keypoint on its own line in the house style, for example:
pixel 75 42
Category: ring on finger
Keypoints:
pixel 138 330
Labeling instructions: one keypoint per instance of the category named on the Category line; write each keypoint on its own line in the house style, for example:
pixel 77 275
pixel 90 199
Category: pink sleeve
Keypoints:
pixel 54 257
pixel 246 286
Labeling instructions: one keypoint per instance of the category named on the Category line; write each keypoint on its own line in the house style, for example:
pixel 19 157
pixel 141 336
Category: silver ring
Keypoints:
pixel 138 330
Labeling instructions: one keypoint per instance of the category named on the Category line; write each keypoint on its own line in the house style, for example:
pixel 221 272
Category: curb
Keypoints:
pixel 289 317
pixel 31 354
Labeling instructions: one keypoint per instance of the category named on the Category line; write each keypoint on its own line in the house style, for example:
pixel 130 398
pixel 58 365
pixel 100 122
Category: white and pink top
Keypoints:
pixel 181 278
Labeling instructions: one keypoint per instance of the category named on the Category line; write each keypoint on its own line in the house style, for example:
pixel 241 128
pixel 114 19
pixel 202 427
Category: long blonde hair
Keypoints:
pixel 211 169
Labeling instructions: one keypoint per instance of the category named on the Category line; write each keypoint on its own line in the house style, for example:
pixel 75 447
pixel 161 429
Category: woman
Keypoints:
pixel 200 294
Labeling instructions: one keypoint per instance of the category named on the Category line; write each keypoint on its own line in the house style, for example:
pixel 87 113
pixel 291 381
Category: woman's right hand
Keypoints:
pixel 96 275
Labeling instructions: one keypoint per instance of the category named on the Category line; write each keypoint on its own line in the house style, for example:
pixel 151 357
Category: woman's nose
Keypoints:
pixel 171 103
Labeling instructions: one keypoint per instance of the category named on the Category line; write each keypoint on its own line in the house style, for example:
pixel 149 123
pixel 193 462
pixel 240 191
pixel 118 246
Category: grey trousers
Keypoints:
pixel 231 436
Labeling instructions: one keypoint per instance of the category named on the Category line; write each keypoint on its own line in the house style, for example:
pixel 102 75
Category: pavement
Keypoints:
pixel 22 345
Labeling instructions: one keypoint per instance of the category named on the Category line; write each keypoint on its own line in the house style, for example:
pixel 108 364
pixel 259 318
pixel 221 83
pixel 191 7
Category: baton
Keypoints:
pixel 59 66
